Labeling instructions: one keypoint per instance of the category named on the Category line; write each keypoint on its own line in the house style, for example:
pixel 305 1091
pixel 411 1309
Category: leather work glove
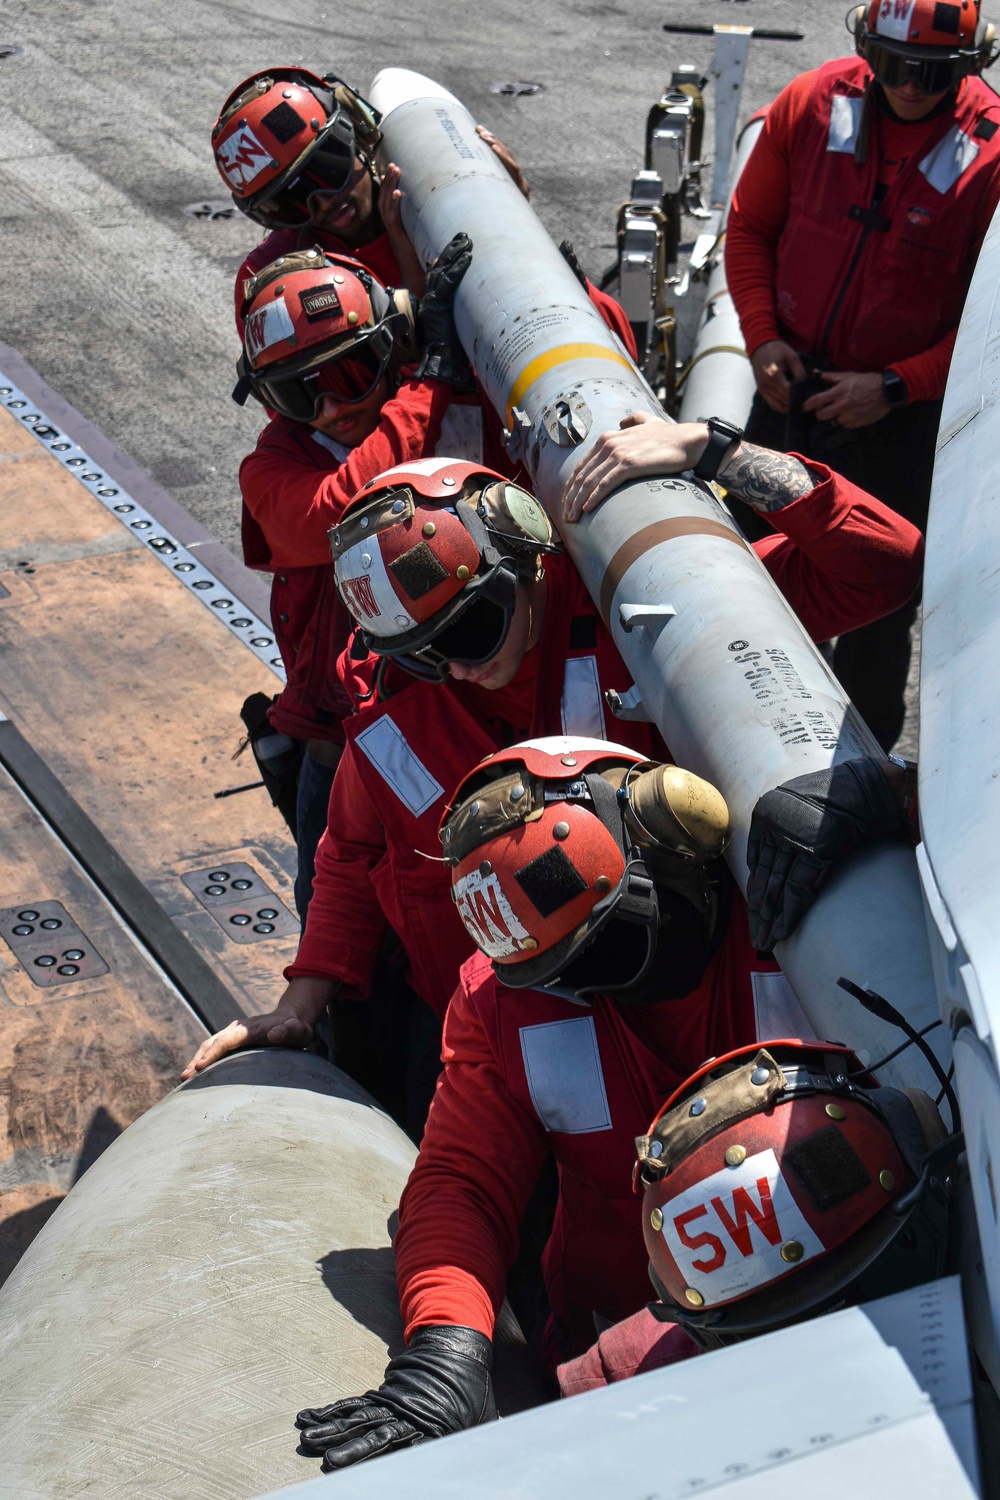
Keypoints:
pixel 444 357
pixel 440 1384
pixel 801 831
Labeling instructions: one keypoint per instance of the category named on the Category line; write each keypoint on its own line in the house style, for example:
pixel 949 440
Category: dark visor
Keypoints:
pixel 351 376
pixel 935 74
pixel 470 637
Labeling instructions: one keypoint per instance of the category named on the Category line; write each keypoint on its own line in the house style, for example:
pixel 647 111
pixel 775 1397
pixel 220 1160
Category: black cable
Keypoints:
pixel 940 1095
pixel 874 1067
pixel 878 1005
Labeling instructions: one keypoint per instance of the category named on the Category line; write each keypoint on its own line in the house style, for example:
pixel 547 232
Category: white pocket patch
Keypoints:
pixel 582 707
pixel 266 326
pixel 389 752
pixel 777 1011
pixel 562 1064
pixel 242 158
pixel 488 915
pixel 726 1233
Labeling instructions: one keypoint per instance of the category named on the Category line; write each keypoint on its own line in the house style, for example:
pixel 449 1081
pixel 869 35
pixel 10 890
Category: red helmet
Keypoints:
pixel 927 42
pixel 315 323
pixel 555 843
pixel 780 1177
pixel 428 558
pixel 285 133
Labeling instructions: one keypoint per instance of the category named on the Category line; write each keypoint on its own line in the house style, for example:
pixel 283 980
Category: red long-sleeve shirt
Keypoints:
pixel 760 215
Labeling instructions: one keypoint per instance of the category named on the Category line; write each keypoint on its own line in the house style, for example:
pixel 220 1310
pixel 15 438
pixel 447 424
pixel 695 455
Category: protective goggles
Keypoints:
pixel 351 376
pixel 328 168
pixel 937 73
pixel 476 627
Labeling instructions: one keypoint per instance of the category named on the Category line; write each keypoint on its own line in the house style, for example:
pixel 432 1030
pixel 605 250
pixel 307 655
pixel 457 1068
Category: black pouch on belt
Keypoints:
pixel 805 432
pixel 278 756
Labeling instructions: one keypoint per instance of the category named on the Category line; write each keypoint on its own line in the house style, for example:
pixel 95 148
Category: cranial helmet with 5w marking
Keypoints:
pixel 781 1181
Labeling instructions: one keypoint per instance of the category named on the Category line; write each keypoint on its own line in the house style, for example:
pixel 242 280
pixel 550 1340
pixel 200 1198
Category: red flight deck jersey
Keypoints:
pixel 527 1073
pixel 868 264
pixel 841 559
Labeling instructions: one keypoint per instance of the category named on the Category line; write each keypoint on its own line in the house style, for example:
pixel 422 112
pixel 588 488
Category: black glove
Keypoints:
pixel 801 831
pixel 444 357
pixel 441 1384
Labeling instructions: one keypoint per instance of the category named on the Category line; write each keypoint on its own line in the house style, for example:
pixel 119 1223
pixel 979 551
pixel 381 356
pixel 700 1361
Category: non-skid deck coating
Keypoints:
pixel 128 690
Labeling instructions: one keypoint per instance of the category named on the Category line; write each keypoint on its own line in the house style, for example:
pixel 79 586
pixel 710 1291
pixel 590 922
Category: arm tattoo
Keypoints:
pixel 766 480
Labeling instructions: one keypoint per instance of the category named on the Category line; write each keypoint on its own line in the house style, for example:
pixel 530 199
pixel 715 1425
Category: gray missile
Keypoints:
pixel 719 660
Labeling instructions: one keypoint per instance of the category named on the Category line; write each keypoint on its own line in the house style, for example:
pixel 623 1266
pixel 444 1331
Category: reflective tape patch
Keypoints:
pixel 562 1063
pixel 950 158
pixel 461 434
pixel 242 158
pixel 389 752
pixel 331 445
pixel 266 326
pixel 488 915
pixel 777 1010
pixel 845 121
pixel 894 19
pixel 726 1232
pixel 582 707
pixel 367 590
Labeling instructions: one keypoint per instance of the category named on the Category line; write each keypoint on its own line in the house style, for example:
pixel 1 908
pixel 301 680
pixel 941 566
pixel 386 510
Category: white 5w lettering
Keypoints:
pixel 744 1212
pixel 726 1232
pixel 487 914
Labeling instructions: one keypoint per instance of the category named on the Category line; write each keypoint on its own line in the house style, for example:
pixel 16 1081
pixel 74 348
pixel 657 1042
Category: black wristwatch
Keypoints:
pixel 894 391
pixel 721 437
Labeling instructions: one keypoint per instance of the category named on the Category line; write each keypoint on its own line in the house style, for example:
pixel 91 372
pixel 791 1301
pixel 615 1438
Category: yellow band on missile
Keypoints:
pixel 549 360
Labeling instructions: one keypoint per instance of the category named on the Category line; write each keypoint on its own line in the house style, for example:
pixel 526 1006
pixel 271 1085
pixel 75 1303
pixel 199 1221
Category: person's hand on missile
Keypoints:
pixel 801 831
pixel 290 1024
pixel 853 398
pixel 506 157
pixel 442 1383
pixel 775 365
pixel 443 356
pixel 390 206
pixel 644 445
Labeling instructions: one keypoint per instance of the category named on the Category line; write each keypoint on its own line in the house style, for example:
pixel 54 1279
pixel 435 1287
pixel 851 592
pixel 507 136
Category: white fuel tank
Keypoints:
pixel 226 1262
